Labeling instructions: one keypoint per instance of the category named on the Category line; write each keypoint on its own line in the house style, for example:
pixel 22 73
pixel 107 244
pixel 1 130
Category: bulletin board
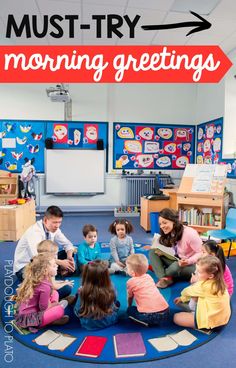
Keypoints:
pixel 231 167
pixel 20 140
pixel 152 146
pixel 209 142
pixel 25 139
pixel 77 134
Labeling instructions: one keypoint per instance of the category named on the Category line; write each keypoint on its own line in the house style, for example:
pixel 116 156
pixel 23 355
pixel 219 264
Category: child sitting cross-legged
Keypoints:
pixel 213 301
pixel 37 303
pixel 89 250
pixel 121 245
pixel 64 287
pixel 96 305
pixel 152 308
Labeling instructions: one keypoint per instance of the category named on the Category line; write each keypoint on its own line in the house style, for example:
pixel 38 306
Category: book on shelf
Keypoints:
pixel 91 346
pixel 129 345
pixel 172 341
pixel 168 252
pixel 54 340
pixel 199 217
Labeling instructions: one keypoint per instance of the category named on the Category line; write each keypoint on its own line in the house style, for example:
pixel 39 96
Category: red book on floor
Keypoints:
pixel 91 346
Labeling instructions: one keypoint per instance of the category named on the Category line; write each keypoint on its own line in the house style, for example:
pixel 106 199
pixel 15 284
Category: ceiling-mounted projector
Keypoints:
pixel 59 96
pixel 58 93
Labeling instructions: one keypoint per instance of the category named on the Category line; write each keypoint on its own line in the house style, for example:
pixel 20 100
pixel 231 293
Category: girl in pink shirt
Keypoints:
pixel 37 302
pixel 210 247
pixel 152 308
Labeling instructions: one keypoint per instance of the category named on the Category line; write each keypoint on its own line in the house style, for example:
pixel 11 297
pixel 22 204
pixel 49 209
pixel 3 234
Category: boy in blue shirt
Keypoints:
pixel 89 250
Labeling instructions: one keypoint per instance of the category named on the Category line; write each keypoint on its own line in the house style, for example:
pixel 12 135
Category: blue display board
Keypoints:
pixel 25 139
pixel 231 167
pixel 152 146
pixel 20 140
pixel 209 142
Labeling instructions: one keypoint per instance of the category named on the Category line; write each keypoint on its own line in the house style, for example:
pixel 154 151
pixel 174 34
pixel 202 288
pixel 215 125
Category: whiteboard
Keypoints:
pixel 74 171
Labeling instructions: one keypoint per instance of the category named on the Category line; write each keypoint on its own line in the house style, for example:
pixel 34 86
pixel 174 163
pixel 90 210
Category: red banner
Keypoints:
pixel 112 64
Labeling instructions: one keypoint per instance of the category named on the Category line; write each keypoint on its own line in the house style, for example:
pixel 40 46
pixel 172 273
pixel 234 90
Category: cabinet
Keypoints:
pixel 172 193
pixel 8 186
pixel 16 219
pixel 148 206
pixel 204 209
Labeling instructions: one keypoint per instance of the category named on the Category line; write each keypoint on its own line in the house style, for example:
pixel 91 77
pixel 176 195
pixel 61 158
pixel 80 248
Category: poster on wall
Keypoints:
pixel 152 146
pixel 209 142
pixel 77 134
pixel 21 141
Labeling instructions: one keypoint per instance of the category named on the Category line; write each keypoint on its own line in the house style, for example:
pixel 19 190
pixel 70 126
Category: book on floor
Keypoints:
pixel 54 340
pixel 172 341
pixel 129 345
pixel 168 252
pixel 91 346
pixel 20 330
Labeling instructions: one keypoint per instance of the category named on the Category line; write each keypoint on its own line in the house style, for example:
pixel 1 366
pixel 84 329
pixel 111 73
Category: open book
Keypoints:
pixel 54 340
pixel 172 341
pixel 168 252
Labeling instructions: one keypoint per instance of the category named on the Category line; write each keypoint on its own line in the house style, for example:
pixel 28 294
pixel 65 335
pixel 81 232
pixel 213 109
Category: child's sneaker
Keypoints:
pixel 64 303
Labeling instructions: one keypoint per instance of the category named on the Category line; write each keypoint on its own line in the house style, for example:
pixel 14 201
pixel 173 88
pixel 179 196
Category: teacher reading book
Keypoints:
pixel 182 241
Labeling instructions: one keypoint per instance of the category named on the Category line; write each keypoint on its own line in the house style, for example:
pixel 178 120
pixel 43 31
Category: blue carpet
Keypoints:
pixel 124 326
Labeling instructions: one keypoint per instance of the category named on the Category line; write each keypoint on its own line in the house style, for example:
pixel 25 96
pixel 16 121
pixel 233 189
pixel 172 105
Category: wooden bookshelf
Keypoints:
pixel 201 200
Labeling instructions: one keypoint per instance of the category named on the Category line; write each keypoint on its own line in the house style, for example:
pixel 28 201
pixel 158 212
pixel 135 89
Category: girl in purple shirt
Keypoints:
pixel 37 303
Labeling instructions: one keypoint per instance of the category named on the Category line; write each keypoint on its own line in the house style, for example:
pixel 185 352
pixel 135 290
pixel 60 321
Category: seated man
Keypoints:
pixel 46 229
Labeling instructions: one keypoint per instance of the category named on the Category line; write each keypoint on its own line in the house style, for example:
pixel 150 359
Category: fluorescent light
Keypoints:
pixel 202 7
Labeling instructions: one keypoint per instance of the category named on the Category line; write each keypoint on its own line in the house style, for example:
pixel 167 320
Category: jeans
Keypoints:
pixel 19 274
pixel 64 291
pixel 151 319
pixel 89 323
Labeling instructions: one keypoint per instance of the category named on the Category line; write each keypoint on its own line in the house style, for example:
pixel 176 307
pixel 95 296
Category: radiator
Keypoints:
pixel 133 188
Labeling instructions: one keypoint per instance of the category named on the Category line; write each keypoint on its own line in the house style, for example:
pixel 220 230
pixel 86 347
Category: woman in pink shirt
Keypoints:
pixel 152 308
pixel 187 246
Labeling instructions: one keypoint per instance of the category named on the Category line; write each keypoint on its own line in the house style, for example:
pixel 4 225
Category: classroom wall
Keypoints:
pixel 163 103
pixel 229 147
pixel 210 102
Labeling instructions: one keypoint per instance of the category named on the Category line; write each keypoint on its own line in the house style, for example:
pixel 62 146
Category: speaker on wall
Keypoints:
pixel 49 143
pixel 100 144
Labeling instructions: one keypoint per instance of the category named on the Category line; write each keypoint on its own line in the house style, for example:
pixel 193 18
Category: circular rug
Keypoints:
pixel 169 342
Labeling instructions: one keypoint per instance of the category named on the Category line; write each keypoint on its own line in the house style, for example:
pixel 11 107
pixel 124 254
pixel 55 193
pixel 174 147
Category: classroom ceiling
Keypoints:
pixel 220 13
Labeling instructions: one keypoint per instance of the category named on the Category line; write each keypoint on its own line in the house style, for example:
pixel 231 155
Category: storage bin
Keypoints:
pixel 155 228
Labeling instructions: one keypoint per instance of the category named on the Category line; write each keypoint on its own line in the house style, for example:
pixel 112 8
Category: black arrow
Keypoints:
pixel 199 26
